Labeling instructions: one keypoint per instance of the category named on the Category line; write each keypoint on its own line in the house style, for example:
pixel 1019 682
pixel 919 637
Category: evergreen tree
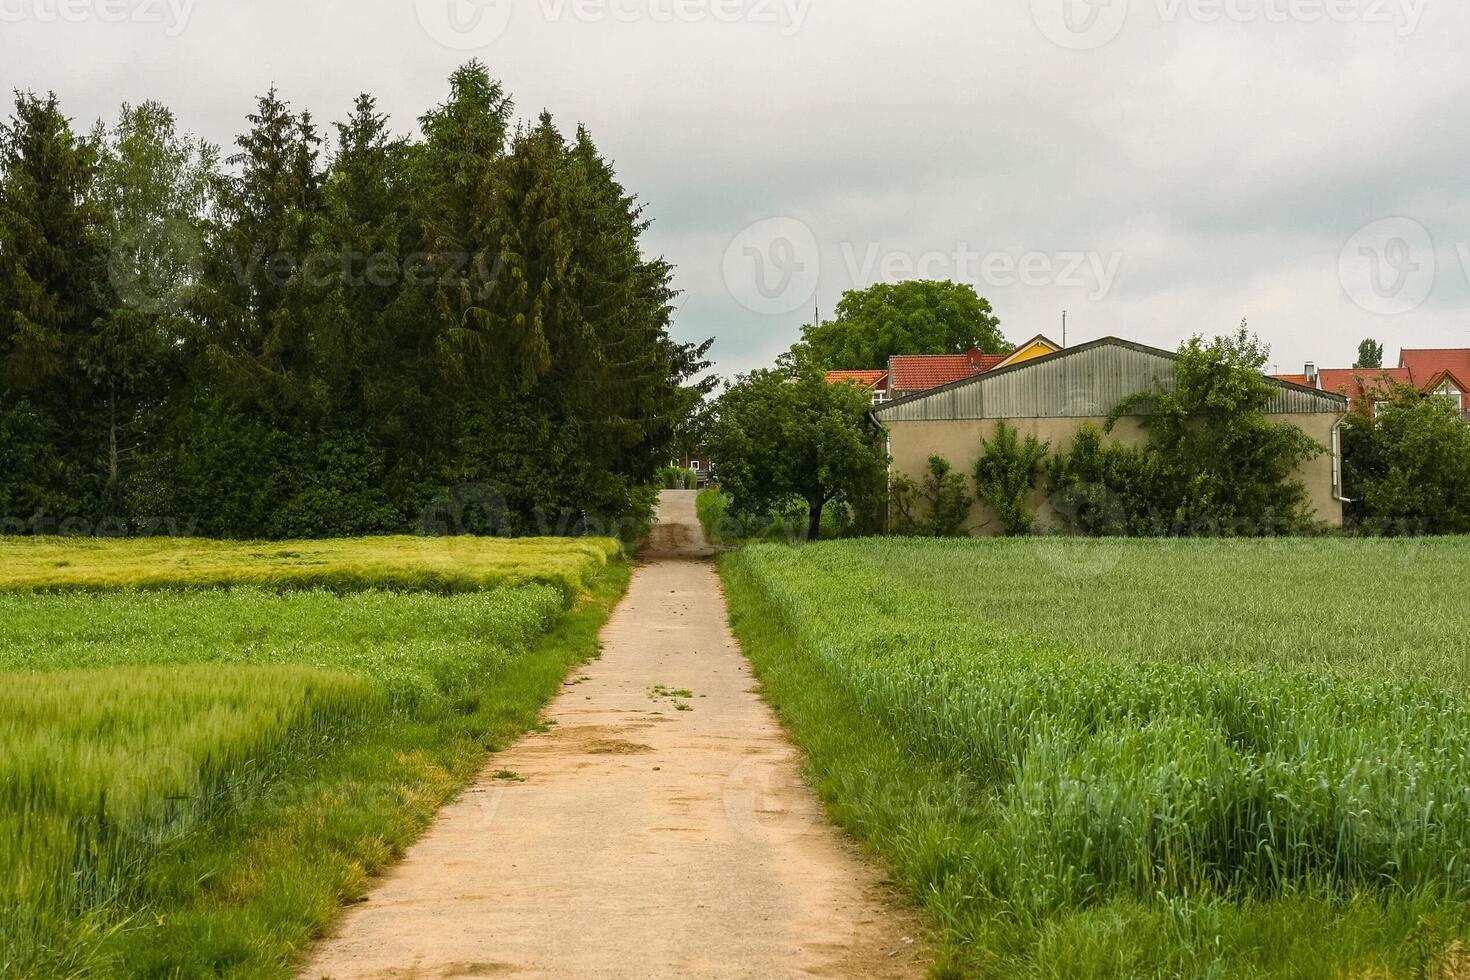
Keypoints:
pixel 455 181
pixel 1370 354
pixel 52 272
pixel 272 348
pixel 256 306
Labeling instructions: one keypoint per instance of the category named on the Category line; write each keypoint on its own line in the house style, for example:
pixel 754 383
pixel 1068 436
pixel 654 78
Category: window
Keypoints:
pixel 694 465
pixel 880 395
pixel 1453 395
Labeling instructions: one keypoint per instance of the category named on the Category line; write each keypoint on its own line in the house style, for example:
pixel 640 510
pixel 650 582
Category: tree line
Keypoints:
pixel 328 331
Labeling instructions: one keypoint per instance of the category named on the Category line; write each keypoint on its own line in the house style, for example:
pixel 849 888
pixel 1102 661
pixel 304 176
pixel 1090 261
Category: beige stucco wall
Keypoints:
pixel 959 441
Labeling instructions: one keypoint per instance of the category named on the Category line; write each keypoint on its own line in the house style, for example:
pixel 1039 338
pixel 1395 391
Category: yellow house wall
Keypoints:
pixel 959 441
pixel 1030 353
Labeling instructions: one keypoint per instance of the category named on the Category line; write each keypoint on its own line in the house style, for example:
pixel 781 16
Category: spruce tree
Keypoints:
pixel 52 273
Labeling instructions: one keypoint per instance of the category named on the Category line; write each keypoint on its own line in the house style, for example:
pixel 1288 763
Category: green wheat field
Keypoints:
pixel 1140 758
pixel 206 747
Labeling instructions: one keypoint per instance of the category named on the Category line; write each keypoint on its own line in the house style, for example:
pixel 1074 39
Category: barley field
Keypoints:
pixel 205 747
pixel 1140 758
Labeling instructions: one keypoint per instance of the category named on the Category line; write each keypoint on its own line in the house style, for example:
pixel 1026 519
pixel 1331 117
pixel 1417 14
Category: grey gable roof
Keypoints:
pixel 1080 382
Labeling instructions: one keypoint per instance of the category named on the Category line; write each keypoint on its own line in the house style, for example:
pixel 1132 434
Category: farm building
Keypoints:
pixel 1053 395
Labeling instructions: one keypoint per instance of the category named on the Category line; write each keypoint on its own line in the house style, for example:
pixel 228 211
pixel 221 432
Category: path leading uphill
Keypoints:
pixel 662 829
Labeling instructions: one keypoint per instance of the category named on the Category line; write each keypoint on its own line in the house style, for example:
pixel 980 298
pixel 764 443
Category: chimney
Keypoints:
pixel 1311 373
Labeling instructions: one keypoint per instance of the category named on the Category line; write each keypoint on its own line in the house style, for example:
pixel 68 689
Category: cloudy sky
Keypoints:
pixel 1155 167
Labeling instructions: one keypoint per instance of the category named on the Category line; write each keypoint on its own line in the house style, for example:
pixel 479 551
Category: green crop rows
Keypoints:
pixel 192 777
pixel 1140 758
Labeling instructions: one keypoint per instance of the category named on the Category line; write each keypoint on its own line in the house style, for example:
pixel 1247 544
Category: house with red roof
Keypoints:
pixel 910 374
pixel 1440 371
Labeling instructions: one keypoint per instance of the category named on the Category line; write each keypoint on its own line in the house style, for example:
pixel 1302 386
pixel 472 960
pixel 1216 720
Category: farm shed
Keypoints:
pixel 1053 396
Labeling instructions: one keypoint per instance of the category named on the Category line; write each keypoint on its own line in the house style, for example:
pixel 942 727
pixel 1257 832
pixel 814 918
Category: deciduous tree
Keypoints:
pixel 915 317
pixel 782 435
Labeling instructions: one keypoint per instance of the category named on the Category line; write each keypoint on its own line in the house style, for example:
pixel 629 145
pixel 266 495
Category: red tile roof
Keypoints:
pixel 1296 379
pixel 1426 365
pixel 867 379
pixel 1356 381
pixel 920 372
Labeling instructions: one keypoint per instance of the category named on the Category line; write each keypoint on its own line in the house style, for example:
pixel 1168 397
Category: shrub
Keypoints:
pixel 677 478
pixel 937 508
pixel 1006 474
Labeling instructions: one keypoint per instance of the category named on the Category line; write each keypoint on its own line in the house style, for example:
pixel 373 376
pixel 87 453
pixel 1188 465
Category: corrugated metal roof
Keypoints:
pixel 1081 382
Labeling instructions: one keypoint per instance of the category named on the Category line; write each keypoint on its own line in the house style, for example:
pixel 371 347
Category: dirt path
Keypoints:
pixel 656 833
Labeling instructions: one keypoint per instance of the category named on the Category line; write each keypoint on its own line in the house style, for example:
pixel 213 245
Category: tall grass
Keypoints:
pixel 404 563
pixel 1043 754
pixel 191 779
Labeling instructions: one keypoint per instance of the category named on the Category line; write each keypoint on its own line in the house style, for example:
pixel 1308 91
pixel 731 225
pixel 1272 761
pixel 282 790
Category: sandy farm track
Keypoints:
pixel 647 839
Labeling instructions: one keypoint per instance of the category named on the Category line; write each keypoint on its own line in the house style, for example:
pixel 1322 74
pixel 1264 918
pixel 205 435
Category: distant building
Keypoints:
pixel 700 464
pixel 1053 396
pixel 873 382
pixel 910 374
pixel 1433 371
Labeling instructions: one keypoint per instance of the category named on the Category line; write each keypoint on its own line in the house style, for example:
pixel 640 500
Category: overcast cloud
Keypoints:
pixel 1156 167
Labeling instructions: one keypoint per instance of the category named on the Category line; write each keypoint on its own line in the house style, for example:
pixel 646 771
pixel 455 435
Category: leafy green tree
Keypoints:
pixel 1407 466
pixel 915 317
pixel 1005 475
pixel 52 293
pixel 1217 462
pixel 782 435
pixel 1370 354
pixel 152 191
